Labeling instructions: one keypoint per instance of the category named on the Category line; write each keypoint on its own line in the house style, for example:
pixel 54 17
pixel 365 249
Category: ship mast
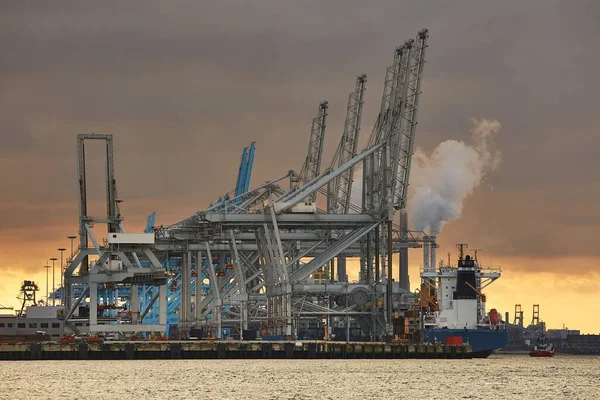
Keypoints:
pixel 461 250
pixel 475 254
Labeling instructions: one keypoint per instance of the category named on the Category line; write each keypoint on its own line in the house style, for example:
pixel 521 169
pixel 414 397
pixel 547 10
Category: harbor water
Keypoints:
pixel 497 377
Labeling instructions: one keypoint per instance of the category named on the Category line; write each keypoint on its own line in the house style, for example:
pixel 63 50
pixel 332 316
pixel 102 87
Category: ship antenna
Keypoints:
pixel 475 251
pixel 461 250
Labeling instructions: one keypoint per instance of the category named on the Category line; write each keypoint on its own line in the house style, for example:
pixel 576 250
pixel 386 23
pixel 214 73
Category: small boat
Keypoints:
pixel 542 348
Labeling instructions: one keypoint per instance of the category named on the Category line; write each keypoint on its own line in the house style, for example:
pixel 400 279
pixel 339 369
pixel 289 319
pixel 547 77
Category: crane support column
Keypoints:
pixel 390 270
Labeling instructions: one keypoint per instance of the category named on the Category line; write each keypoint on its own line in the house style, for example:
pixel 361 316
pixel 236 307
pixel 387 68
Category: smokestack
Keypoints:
pixel 425 253
pixel 403 255
pixel 433 261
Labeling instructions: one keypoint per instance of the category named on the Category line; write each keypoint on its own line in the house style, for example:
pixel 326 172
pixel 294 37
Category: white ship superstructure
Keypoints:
pixel 455 293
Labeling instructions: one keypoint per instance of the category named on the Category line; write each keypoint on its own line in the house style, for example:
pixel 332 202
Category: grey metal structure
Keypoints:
pixel 340 196
pixel 312 165
pixel 112 264
pixel 269 254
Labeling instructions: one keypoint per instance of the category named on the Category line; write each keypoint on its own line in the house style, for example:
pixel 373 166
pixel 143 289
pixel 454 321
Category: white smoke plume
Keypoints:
pixel 442 180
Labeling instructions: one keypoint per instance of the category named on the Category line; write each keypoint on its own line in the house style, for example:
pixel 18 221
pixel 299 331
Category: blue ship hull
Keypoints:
pixel 483 341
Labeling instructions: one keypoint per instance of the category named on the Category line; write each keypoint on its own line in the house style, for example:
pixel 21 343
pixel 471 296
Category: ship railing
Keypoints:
pixel 501 325
pixel 438 271
pixel 491 268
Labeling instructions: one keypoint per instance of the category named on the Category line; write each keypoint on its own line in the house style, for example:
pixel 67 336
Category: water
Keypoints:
pixel 498 377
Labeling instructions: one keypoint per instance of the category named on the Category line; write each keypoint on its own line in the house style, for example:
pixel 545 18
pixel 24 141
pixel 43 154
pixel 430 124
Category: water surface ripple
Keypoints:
pixel 498 377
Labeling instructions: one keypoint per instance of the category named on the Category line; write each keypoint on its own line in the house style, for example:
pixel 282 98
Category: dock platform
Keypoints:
pixel 198 349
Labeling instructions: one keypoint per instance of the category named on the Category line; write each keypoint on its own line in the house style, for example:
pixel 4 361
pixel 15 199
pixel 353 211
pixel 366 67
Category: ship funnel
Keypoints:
pixel 425 253
pixel 433 253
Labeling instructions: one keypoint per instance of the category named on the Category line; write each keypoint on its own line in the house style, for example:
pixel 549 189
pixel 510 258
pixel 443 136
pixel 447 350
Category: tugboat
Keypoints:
pixel 542 348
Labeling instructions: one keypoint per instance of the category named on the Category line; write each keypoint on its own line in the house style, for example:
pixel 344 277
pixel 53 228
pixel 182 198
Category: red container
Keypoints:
pixel 454 340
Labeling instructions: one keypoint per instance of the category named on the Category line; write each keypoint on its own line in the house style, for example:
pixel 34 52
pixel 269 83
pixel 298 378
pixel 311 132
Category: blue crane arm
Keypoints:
pixel 250 163
pixel 241 179
pixel 150 223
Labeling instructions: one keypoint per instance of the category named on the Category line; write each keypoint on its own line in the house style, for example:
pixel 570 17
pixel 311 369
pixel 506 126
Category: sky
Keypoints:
pixel 183 86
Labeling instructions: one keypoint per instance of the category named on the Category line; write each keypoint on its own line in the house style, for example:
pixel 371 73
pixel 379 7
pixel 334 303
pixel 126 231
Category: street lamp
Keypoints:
pixel 62 273
pixel 71 238
pixel 47 269
pixel 53 285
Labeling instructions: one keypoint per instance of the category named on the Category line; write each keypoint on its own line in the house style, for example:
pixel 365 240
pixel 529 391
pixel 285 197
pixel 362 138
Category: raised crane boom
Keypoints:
pixel 245 172
pixel 409 120
pixel 312 165
pixel 387 99
pixel 342 185
pixel 379 184
pixel 394 126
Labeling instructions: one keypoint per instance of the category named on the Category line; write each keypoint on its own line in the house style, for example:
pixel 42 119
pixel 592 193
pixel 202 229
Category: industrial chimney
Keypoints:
pixel 425 253
pixel 433 253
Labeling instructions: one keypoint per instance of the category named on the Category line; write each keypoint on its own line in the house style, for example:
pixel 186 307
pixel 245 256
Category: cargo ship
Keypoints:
pixel 455 307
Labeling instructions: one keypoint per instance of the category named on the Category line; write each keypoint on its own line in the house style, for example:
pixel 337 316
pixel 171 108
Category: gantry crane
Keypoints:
pixel 266 249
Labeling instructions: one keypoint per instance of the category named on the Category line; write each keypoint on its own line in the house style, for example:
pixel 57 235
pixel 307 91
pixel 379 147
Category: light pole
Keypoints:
pixel 71 238
pixel 62 273
pixel 47 269
pixel 53 285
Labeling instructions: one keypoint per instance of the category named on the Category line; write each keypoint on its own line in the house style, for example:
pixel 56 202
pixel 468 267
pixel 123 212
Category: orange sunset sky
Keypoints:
pixel 184 88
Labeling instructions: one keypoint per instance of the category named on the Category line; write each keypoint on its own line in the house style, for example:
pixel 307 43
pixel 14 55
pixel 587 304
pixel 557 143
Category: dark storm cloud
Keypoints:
pixel 184 86
pixel 17 138
pixel 548 221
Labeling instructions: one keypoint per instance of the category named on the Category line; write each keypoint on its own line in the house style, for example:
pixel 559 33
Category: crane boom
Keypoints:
pixel 342 185
pixel 389 89
pixel 409 120
pixel 394 127
pixel 241 179
pixel 385 131
pixel 312 164
pixel 245 172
